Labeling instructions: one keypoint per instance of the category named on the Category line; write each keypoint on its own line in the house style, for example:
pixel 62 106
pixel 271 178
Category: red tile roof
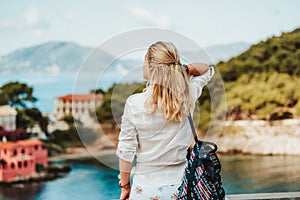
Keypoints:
pixel 28 142
pixel 80 97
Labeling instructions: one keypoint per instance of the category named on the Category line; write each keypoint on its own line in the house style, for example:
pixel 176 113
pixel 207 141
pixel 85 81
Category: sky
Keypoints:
pixel 92 22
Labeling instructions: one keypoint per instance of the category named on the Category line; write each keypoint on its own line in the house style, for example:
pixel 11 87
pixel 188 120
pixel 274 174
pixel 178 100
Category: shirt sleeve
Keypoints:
pixel 128 136
pixel 198 82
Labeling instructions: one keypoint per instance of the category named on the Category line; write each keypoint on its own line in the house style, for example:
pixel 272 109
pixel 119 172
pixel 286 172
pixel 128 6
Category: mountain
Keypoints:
pixel 67 57
pixel 50 57
pixel 54 58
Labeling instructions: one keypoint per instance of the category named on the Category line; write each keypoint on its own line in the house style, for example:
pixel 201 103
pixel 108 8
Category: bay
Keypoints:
pixel 89 179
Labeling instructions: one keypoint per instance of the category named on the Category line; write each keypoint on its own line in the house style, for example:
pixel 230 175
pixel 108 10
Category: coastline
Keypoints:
pixel 53 171
pixel 244 137
pixel 260 138
pixel 82 153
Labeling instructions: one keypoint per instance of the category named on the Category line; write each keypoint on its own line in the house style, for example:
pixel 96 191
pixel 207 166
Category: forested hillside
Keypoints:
pixel 263 82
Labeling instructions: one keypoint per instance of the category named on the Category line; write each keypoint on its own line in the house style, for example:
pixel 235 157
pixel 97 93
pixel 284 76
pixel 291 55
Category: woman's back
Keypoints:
pixel 154 126
pixel 161 143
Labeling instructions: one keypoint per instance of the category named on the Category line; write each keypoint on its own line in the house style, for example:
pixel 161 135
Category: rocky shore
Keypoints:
pixel 50 172
pixel 263 138
pixel 238 137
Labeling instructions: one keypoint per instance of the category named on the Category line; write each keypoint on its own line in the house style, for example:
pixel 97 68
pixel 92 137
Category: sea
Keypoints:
pixel 90 179
pixel 47 87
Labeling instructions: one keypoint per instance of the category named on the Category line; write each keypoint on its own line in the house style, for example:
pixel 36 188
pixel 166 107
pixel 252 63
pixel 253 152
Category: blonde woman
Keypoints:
pixel 155 128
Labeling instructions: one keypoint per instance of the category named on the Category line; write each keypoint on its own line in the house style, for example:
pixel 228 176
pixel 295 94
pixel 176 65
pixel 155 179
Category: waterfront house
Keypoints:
pixel 19 159
pixel 78 105
pixel 8 117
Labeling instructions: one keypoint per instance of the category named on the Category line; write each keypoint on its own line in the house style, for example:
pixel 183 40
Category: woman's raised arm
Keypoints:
pixel 197 69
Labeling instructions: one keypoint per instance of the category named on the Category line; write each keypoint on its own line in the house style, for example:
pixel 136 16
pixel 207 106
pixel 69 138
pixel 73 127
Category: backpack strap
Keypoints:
pixel 189 178
pixel 192 127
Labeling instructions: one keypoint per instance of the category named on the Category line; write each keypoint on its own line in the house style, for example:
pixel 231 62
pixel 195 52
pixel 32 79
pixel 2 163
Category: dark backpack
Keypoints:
pixel 202 179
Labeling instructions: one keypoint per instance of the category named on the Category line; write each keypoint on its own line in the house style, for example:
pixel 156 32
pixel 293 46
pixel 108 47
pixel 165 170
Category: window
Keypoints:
pixel 23 151
pixel 15 152
pixel 36 147
pixel 25 163
pixel 20 164
pixel 12 165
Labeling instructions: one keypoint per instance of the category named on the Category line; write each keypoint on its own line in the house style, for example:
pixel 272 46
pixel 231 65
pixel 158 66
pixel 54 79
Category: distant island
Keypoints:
pixel 56 57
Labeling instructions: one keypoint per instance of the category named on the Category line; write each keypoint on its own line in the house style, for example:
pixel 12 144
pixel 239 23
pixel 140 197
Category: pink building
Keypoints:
pixel 19 159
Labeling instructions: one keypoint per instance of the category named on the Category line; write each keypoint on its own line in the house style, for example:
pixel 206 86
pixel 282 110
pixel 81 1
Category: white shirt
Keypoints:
pixel 160 146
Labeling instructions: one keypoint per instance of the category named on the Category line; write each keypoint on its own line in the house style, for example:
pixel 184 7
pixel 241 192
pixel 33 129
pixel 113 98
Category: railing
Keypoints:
pixel 283 195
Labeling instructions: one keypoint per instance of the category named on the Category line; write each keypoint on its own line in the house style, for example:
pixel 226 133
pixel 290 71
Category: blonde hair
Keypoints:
pixel 168 83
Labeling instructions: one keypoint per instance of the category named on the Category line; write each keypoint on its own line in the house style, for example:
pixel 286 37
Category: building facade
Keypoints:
pixel 78 105
pixel 19 159
pixel 8 117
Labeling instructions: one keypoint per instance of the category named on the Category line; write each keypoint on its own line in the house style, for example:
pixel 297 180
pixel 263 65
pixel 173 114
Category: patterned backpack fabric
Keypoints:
pixel 202 179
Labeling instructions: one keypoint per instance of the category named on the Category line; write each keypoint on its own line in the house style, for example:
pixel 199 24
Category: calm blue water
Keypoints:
pixel 47 87
pixel 89 179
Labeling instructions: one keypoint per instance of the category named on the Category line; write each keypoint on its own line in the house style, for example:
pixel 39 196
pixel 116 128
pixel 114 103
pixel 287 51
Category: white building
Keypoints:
pixel 8 117
pixel 78 105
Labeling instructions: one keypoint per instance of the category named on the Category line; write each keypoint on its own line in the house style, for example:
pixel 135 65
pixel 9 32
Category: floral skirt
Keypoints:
pixel 157 185
pixel 166 192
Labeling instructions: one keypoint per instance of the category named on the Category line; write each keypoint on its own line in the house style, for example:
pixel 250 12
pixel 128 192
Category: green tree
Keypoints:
pixel 71 138
pixel 114 100
pixel 16 94
pixel 20 96
pixel 37 116
pixel 24 121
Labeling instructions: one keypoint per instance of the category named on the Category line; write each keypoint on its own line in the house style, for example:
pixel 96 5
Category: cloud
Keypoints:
pixel 38 32
pixel 120 69
pixel 33 20
pixel 53 69
pixel 32 15
pixel 7 24
pixel 30 20
pixel 69 16
pixel 149 18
